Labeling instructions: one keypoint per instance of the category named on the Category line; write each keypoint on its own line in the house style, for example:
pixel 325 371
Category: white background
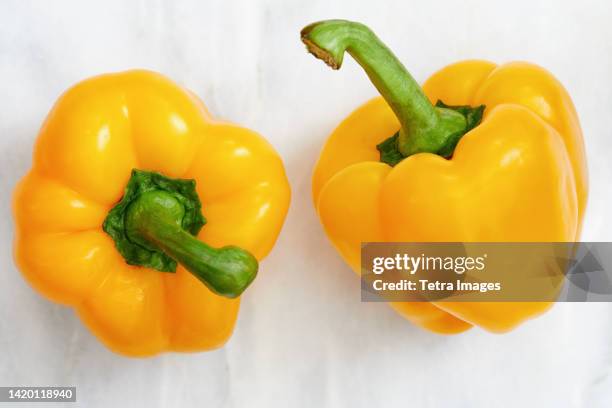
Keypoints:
pixel 303 337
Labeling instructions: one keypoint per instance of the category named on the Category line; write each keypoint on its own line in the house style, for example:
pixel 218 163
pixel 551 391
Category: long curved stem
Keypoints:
pixel 424 127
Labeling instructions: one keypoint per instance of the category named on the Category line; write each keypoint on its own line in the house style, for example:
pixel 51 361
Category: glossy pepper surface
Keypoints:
pixel 406 167
pixel 110 219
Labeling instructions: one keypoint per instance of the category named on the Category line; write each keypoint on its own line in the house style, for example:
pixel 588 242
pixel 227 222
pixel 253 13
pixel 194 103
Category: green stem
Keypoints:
pixel 155 224
pixel 424 127
pixel 154 219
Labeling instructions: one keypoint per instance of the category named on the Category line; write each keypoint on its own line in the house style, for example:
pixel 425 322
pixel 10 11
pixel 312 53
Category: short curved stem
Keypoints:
pixel 153 221
pixel 227 271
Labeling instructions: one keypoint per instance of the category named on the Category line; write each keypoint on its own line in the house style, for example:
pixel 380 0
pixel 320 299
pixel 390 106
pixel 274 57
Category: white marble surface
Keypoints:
pixel 303 338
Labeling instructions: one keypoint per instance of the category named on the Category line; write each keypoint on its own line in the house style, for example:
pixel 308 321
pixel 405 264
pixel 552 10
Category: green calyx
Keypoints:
pixel 389 149
pixel 184 209
pixel 424 127
pixel 154 226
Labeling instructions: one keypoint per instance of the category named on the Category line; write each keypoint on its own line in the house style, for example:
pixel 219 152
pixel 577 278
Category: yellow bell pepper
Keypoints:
pixel 114 259
pixel 401 169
